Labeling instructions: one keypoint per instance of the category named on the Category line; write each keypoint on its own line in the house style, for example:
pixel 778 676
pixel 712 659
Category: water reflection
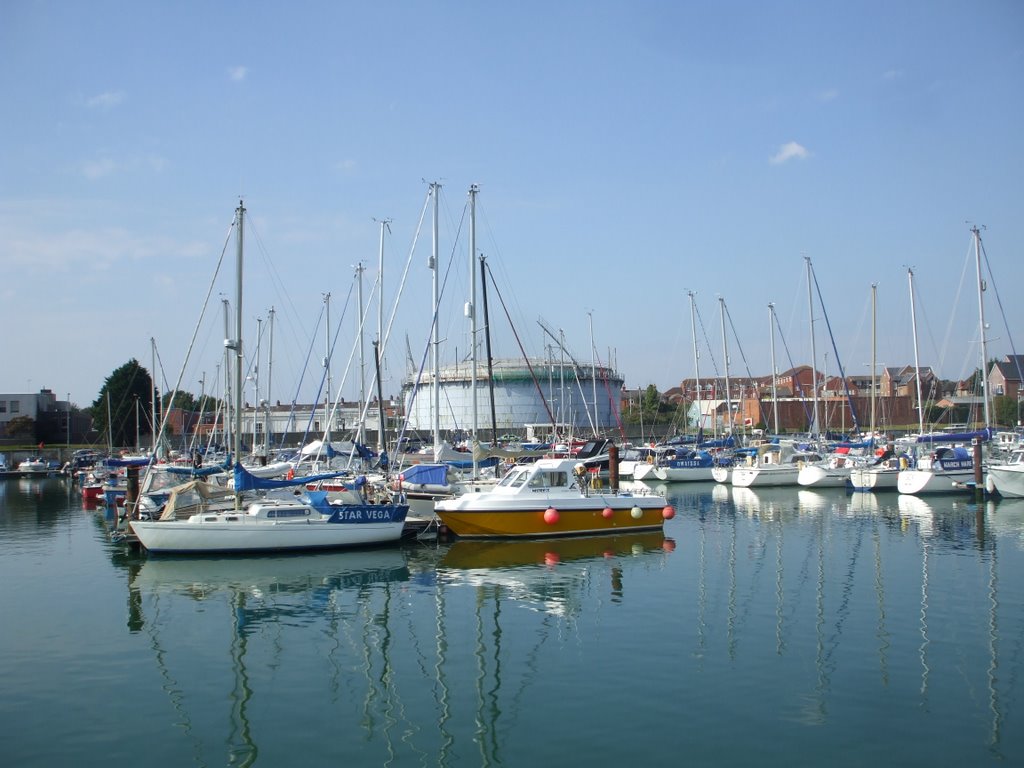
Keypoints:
pixel 546 573
pixel 253 593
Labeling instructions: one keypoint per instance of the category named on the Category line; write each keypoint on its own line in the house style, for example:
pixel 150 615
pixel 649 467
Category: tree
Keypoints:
pixel 184 401
pixel 22 426
pixel 1006 410
pixel 651 403
pixel 124 404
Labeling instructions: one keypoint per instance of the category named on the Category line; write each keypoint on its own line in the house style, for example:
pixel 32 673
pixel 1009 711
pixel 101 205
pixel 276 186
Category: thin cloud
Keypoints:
pixel 105 100
pixel 788 152
pixel 892 74
pixel 830 94
pixel 238 73
pixel 106 165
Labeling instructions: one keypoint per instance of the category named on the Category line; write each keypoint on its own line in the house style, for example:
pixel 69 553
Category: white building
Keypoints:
pixel 525 392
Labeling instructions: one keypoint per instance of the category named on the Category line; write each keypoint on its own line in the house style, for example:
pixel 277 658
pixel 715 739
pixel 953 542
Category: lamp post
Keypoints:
pixel 68 425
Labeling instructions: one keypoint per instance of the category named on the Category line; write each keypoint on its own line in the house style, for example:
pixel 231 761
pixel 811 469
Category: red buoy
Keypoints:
pixel 607 513
pixel 550 515
pixel 668 512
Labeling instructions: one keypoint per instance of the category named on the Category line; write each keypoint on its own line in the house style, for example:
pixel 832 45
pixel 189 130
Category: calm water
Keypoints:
pixel 779 628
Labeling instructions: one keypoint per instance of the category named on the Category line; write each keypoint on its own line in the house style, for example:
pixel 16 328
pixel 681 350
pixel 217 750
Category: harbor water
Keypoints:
pixel 774 628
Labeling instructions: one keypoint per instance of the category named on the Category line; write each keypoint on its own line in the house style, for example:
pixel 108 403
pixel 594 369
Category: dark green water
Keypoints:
pixel 784 627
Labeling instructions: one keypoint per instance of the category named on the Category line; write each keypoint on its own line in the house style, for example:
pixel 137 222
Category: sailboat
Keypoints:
pixel 949 468
pixel 269 523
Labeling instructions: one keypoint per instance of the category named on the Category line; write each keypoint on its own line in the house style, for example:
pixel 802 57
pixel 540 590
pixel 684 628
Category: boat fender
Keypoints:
pixel 990 485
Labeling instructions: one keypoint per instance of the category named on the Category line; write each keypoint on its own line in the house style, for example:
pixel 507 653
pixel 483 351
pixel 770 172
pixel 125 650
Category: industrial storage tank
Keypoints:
pixel 525 392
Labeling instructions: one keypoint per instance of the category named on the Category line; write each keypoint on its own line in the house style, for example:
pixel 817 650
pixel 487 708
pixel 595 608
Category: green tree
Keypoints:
pixel 23 427
pixel 123 407
pixel 1006 410
pixel 184 401
pixel 651 402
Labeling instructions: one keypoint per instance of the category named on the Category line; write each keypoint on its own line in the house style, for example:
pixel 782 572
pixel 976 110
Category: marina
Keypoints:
pixel 776 626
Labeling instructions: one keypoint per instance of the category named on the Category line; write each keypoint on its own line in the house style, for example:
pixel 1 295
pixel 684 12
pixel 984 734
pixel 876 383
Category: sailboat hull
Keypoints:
pixel 242 536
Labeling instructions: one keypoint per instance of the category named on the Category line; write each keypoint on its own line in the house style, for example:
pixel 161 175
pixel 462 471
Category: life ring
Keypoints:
pixel 291 474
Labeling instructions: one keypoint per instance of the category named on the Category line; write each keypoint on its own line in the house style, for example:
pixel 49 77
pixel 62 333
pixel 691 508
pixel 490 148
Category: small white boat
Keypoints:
pixel 33 465
pixel 676 465
pixel 774 465
pixel 945 470
pixel 882 474
pixel 1007 478
pixel 832 472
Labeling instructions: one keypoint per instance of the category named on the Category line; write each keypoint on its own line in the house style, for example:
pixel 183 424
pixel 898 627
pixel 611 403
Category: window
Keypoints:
pixel 3 406
pixel 15 406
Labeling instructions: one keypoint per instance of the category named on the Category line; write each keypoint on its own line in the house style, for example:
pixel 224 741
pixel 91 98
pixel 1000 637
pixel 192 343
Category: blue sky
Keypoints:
pixel 626 153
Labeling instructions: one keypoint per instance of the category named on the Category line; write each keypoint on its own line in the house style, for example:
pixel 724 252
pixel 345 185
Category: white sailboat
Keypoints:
pixel 269 523
pixel 949 469
pixel 1007 478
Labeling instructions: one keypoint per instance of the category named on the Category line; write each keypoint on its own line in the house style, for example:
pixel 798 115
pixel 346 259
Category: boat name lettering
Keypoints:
pixel 357 514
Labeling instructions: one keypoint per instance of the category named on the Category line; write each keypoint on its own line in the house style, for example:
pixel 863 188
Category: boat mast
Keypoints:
pixel 152 394
pixel 815 425
pixel 696 362
pixel 384 225
pixel 917 363
pixel 228 405
pixel 490 359
pixel 725 355
pixel 327 371
pixel 775 385
pixel 238 343
pixel 471 314
pixel 270 370
pixel 256 382
pixel 361 431
pixel 874 387
pixel 435 190
pixel 981 318
pixel 593 368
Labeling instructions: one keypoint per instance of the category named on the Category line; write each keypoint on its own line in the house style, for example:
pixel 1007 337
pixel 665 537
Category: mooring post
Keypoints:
pixel 613 467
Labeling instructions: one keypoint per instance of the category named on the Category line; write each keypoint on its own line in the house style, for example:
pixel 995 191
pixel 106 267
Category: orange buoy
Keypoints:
pixel 668 512
pixel 607 513
pixel 550 515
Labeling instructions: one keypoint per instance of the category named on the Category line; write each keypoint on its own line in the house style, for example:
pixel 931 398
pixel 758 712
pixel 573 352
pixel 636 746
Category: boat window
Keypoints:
pixel 301 512
pixel 559 479
pixel 540 480
pixel 514 478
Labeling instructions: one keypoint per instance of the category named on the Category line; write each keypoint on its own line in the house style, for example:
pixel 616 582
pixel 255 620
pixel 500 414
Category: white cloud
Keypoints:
pixel 105 165
pixel 892 74
pixel 238 73
pixel 105 100
pixel 830 94
pixel 789 151
pixel 98 167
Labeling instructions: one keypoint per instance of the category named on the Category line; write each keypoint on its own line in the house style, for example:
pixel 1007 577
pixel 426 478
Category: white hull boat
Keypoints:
pixel 823 476
pixel 874 478
pixel 1007 479
pixel 947 470
pixel 272 525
